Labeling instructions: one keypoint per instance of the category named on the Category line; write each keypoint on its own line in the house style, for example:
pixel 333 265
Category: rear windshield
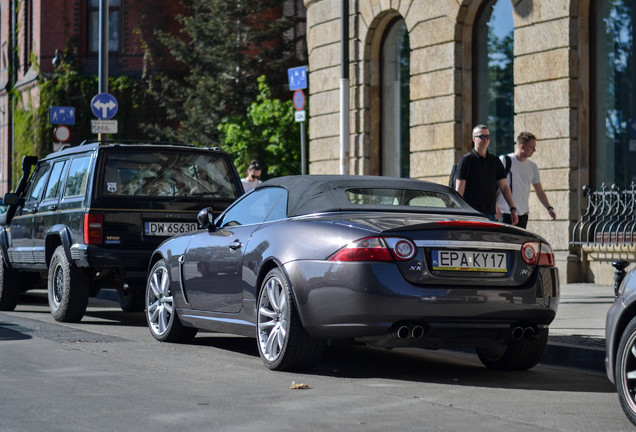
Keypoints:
pixel 401 197
pixel 167 174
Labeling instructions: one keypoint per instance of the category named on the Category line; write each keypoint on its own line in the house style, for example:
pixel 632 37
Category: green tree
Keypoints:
pixel 221 50
pixel 268 132
pixel 68 86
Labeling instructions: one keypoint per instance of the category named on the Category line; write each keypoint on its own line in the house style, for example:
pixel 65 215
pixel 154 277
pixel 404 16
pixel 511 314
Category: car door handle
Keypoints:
pixel 53 208
pixel 31 210
pixel 235 245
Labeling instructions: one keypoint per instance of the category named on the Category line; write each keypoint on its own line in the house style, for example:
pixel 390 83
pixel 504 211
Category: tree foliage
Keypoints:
pixel 222 48
pixel 267 132
pixel 68 86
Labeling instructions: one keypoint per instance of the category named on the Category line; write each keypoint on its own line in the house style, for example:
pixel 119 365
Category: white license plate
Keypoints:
pixel 469 261
pixel 168 228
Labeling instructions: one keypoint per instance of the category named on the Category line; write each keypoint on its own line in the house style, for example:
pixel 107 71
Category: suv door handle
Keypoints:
pixel 236 244
pixel 53 207
pixel 31 210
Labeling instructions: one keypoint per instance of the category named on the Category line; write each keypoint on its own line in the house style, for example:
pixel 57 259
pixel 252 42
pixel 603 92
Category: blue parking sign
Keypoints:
pixel 297 78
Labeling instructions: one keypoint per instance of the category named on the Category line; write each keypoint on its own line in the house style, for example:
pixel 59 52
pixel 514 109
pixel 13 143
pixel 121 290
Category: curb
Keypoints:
pixel 587 355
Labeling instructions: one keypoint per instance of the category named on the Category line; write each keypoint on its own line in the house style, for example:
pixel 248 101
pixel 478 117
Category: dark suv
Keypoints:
pixel 90 216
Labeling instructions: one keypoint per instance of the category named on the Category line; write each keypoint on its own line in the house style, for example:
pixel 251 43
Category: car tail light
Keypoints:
pixel 93 228
pixel 537 253
pixel 469 224
pixel 376 249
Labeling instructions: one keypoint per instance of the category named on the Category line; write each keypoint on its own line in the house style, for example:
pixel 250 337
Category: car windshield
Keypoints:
pixel 161 173
pixel 401 197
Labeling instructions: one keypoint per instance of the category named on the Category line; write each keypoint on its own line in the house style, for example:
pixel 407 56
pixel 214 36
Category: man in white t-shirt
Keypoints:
pixel 523 173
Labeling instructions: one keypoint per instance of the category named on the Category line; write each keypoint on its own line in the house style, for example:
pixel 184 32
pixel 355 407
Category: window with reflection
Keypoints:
pixel 254 208
pixel 395 148
pixel 613 106
pixel 493 86
pixel 113 25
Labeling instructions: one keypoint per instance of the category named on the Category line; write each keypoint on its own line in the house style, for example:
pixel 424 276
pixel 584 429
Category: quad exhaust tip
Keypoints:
pixel 519 333
pixel 413 331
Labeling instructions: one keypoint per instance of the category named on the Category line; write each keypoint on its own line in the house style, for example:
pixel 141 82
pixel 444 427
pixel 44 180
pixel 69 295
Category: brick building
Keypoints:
pixel 43 28
pixel 424 72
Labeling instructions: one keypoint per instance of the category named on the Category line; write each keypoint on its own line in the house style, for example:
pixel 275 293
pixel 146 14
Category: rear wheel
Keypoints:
pixel 625 371
pixel 9 287
pixel 283 343
pixel 163 322
pixel 131 298
pixel 519 355
pixel 67 288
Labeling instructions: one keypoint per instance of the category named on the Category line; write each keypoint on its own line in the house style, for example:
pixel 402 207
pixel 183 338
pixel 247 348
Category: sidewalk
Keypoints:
pixel 577 334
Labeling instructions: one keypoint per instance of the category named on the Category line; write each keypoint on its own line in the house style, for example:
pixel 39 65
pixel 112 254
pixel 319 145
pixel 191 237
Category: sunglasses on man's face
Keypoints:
pixel 483 137
pixel 255 177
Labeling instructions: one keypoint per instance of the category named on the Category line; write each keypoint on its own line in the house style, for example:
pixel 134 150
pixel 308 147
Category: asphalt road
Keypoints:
pixel 108 374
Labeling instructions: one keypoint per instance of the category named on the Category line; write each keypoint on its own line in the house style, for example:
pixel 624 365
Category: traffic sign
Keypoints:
pixel 299 100
pixel 104 126
pixel 104 106
pixel 297 78
pixel 299 116
pixel 62 115
pixel 62 133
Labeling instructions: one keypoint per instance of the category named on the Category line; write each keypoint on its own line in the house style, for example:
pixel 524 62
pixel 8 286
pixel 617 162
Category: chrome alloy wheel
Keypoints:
pixel 273 316
pixel 159 302
pixel 627 363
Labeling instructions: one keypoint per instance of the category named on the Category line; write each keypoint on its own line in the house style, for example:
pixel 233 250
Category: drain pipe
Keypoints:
pixel 344 88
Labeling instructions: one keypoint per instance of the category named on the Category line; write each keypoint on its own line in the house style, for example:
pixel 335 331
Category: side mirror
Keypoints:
pixel 10 199
pixel 206 219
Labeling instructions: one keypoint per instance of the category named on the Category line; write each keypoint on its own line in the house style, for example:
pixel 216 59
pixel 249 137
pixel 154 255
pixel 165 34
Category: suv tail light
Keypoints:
pixel 537 253
pixel 93 228
pixel 376 249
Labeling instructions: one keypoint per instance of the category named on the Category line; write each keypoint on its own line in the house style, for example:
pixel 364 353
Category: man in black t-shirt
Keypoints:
pixel 479 174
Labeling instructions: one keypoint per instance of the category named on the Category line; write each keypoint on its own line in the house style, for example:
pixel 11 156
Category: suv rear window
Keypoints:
pixel 167 174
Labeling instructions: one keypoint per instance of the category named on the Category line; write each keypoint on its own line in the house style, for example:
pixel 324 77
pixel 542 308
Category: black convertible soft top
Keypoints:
pixel 310 194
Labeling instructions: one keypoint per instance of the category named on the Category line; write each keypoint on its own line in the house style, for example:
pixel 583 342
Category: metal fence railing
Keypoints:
pixel 610 218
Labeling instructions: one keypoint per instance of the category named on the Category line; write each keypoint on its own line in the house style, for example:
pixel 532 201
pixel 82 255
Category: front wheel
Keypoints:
pixel 625 371
pixel 9 287
pixel 283 343
pixel 163 322
pixel 67 288
pixel 518 355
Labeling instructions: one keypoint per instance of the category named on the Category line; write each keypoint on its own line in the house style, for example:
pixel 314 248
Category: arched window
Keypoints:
pixel 395 98
pixel 613 106
pixel 493 85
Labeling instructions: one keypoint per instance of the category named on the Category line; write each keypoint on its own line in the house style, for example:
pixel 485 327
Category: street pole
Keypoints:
pixel 303 157
pixel 344 89
pixel 103 50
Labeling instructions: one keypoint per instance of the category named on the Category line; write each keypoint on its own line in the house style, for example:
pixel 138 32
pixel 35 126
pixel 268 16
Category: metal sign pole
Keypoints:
pixel 103 50
pixel 303 158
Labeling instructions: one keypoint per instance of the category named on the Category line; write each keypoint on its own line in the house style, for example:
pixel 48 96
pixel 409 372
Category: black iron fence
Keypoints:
pixel 610 218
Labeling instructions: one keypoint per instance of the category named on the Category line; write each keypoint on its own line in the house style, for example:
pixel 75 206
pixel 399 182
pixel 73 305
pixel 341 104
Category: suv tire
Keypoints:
pixel 68 288
pixel 9 287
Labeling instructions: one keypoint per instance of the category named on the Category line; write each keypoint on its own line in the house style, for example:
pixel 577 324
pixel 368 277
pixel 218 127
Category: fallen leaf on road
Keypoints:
pixel 300 386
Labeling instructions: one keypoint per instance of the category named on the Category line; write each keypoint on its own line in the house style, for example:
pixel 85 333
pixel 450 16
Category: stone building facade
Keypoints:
pixel 554 62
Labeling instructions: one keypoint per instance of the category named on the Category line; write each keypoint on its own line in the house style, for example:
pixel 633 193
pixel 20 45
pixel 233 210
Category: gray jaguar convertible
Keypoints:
pixel 389 262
